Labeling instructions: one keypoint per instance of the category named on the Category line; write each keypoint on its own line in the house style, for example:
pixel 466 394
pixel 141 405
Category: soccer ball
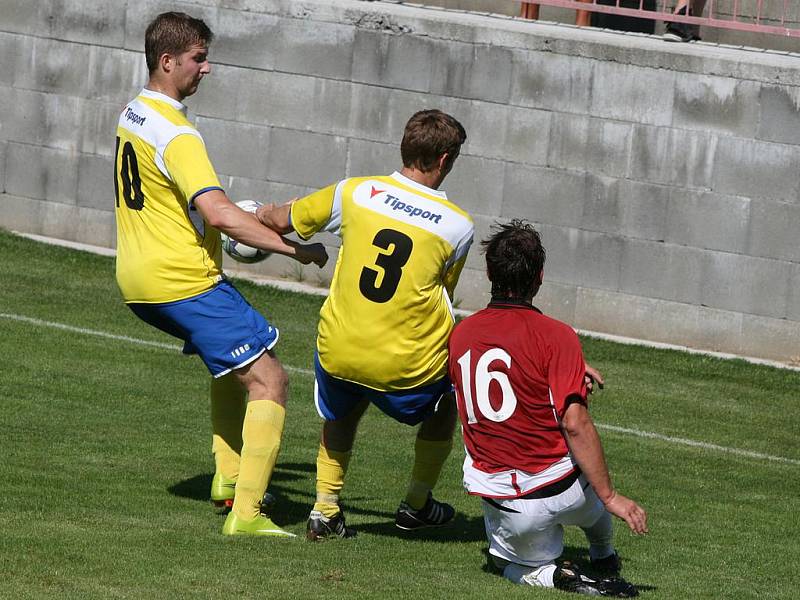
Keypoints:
pixel 242 252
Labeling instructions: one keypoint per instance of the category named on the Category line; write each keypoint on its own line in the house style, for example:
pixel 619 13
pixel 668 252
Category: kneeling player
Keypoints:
pixel 533 454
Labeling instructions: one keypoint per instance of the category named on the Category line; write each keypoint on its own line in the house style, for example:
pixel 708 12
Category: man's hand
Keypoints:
pixel 591 377
pixel 308 253
pixel 627 510
pixel 276 217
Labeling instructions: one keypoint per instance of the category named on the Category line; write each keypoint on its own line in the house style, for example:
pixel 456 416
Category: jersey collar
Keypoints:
pixel 163 98
pixel 511 303
pixel 411 183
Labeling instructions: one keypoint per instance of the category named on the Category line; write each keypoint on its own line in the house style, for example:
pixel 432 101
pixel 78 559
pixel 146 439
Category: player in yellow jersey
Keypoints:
pixel 170 209
pixel 383 330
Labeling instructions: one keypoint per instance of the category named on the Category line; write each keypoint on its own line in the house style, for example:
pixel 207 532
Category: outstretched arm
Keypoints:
pixel 219 212
pixel 584 444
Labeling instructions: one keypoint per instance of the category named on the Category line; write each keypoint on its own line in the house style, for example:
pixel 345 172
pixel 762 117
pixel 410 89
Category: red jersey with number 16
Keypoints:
pixel 514 369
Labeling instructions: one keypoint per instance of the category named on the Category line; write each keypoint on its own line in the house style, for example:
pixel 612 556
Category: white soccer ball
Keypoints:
pixel 242 252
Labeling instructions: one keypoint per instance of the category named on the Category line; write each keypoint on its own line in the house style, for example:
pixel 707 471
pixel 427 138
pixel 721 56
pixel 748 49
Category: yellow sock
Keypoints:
pixel 228 405
pixel 429 459
pixel 261 437
pixel 331 468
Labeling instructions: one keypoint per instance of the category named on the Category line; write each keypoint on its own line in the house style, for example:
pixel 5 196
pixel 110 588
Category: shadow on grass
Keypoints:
pixel 460 529
pixel 198 488
pixel 575 554
pixel 291 510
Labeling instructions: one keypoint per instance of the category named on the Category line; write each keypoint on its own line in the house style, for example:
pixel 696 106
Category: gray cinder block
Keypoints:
pixel 245 39
pixel 384 59
pixel 237 148
pixel 373 158
pixel 773 230
pixel 757 169
pixel 116 75
pixel 721 104
pixel 658 320
pixel 477 71
pixel 42 173
pixel 25 17
pixel 244 188
pixel 630 93
pixel 598 145
pixel 3 155
pixel 325 50
pixel 626 208
pixel 544 195
pixel 96 182
pixel 380 114
pixel 476 185
pixel 103 24
pixel 708 220
pixel 780 114
pixel 678 157
pixel 98 135
pixel 304 158
pixel 771 338
pixel 663 271
pixel 550 81
pixel 745 284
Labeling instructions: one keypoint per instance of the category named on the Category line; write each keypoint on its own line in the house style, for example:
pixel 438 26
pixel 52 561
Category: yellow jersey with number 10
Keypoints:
pixel 165 251
pixel 386 322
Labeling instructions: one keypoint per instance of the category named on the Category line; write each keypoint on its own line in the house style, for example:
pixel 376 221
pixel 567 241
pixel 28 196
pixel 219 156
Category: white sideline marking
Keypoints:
pixel 114 336
pixel 614 428
pixel 695 444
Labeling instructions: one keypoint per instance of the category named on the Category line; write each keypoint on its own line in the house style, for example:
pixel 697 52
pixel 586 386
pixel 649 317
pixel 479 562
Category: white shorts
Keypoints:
pixel 530 532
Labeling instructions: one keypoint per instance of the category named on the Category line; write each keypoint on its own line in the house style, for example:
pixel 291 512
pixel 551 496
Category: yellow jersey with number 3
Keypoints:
pixel 386 322
pixel 165 251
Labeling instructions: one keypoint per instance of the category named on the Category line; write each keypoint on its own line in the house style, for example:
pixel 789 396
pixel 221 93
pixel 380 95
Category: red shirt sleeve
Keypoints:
pixel 566 370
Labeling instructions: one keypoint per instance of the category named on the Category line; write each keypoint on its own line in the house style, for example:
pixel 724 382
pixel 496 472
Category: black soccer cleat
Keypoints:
pixel 432 514
pixel 320 527
pixel 610 565
pixel 267 504
pixel 567 577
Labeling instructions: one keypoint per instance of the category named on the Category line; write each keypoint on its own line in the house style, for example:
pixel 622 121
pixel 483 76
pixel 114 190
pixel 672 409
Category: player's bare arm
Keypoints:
pixel 277 217
pixel 586 448
pixel 219 212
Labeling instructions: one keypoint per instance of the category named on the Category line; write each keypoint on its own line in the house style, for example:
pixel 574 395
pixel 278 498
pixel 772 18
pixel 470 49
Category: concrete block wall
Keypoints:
pixel 746 11
pixel 663 177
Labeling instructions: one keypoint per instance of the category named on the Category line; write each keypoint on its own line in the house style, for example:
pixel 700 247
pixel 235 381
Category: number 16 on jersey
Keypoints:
pixel 478 404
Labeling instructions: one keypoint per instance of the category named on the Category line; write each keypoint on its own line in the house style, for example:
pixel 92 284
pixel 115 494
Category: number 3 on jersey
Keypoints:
pixel 483 379
pixel 129 174
pixel 391 264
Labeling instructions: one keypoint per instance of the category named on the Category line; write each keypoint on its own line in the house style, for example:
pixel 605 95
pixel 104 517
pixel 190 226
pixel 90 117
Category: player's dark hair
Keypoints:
pixel 428 135
pixel 173 33
pixel 514 259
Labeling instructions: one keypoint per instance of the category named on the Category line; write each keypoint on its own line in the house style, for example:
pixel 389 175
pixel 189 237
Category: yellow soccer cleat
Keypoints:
pixel 261 525
pixel 222 492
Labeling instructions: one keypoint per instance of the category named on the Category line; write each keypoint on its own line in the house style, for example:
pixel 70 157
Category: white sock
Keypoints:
pixel 535 576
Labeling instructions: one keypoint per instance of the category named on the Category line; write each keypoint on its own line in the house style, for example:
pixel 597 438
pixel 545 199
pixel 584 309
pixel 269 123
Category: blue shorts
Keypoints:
pixel 219 325
pixel 335 397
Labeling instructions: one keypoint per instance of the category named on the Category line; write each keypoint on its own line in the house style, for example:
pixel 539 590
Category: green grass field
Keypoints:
pixel 106 465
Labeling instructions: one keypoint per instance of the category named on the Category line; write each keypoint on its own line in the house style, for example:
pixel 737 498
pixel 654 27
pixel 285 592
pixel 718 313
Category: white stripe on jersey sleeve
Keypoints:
pixel 155 129
pixel 334 224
